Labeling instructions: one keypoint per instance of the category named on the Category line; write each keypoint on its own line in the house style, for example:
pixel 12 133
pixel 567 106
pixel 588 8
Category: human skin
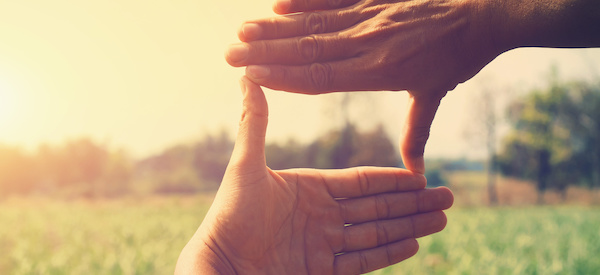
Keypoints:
pixel 306 221
pixel 426 47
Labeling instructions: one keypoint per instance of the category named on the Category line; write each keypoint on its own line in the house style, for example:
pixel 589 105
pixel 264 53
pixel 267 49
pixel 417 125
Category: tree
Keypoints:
pixel 210 158
pixel 582 116
pixel 555 137
pixel 482 128
pixel 349 148
pixel 374 148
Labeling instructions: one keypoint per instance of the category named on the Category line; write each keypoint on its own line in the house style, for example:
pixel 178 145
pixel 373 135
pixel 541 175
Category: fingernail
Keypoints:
pixel 251 31
pixel 283 5
pixel 255 71
pixel 237 53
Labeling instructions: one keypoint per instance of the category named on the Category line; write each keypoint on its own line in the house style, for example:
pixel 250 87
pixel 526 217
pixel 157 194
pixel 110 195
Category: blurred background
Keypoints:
pixel 117 119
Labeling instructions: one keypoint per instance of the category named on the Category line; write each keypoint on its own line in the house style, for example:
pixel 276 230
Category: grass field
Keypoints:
pixel 127 236
pixel 145 236
pixel 525 240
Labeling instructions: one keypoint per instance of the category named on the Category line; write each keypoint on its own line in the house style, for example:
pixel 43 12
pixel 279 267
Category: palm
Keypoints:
pixel 306 221
pixel 299 219
pixel 291 218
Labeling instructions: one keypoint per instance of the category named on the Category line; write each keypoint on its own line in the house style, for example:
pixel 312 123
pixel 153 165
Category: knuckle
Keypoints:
pixel 383 210
pixel 343 210
pixel 364 262
pixel 382 234
pixel 347 240
pixel 315 23
pixel 419 136
pixel 363 182
pixel 309 48
pixel 419 201
pixel 388 254
pixel 275 25
pixel 320 77
pixel 413 222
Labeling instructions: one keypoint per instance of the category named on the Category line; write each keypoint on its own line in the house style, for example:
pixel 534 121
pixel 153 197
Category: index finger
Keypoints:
pixel 366 181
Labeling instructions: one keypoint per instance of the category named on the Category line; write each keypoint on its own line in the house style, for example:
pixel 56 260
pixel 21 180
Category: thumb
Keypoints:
pixel 249 149
pixel 421 111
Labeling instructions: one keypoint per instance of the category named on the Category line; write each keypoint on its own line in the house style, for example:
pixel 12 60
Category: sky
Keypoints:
pixel 146 75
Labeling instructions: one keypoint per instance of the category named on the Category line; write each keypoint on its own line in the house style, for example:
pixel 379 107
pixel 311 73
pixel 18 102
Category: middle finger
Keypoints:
pixel 394 205
pixel 291 51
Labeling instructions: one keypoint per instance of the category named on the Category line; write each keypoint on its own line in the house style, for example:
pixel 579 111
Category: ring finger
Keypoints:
pixel 378 233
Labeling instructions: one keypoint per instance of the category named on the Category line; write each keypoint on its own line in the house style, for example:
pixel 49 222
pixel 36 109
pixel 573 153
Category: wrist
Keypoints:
pixel 492 17
pixel 544 23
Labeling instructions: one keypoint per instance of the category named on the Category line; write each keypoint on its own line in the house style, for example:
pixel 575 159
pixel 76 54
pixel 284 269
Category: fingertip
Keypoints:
pixel 442 221
pixel 248 151
pixel 236 54
pixel 282 6
pixel 258 72
pixel 249 32
pixel 447 197
pixel 254 97
pixel 437 222
pixel 415 246
pixel 415 164
pixel 421 178
pixel 412 247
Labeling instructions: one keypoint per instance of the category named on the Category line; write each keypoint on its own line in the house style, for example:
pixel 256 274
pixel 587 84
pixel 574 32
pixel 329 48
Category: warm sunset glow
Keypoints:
pixel 147 75
pixel 8 102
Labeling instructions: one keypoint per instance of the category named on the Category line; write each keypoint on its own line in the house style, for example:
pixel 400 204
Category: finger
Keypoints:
pixel 291 51
pixel 382 232
pixel 249 149
pixel 316 78
pixel 421 112
pixel 395 205
pixel 291 6
pixel 372 259
pixel 297 25
pixel 366 181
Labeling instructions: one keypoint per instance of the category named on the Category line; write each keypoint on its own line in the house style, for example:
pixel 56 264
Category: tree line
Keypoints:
pixel 83 167
pixel 554 141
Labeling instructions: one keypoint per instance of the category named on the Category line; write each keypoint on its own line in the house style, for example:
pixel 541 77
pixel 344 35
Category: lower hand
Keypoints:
pixel 305 221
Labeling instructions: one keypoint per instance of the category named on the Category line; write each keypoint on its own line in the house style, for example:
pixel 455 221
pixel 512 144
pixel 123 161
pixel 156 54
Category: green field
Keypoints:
pixel 145 236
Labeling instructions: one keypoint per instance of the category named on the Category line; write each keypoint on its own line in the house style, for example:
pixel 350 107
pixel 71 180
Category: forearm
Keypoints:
pixel 544 23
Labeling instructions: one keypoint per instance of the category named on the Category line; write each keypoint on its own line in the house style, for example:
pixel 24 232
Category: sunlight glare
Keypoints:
pixel 8 101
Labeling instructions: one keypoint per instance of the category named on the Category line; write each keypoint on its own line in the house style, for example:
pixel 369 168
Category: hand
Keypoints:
pixel 305 221
pixel 425 47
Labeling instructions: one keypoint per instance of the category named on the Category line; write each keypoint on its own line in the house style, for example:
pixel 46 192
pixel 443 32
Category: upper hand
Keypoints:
pixel 421 46
pixel 303 221
pixel 425 47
